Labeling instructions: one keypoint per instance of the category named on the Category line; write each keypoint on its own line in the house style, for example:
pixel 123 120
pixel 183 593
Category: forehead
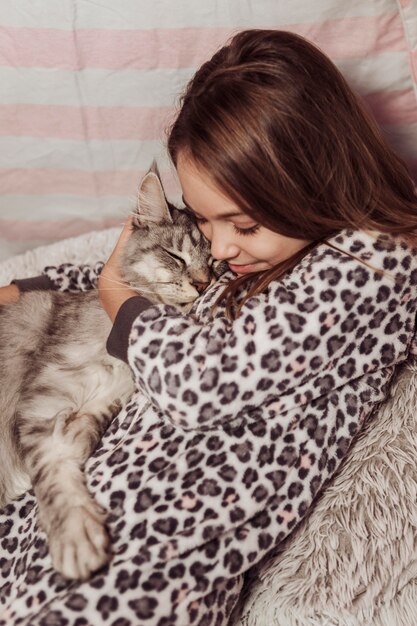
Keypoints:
pixel 201 195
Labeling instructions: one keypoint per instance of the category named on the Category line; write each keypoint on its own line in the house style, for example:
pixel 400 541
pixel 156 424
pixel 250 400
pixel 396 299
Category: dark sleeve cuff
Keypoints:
pixel 37 283
pixel 118 340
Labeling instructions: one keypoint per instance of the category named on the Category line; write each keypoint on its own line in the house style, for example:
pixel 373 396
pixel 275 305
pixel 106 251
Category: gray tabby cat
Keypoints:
pixel 59 389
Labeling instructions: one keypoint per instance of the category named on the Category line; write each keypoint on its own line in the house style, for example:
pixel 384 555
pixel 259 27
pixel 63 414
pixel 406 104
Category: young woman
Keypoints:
pixel 256 395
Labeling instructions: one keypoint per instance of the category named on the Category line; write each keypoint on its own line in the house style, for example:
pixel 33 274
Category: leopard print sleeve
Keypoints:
pixel 332 321
pixel 68 277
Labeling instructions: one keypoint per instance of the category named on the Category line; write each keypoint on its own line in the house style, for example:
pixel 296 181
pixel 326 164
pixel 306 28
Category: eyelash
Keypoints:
pixel 246 231
pixel 240 231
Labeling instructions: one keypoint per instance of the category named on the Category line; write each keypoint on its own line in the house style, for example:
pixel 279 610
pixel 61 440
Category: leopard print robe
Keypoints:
pixel 233 431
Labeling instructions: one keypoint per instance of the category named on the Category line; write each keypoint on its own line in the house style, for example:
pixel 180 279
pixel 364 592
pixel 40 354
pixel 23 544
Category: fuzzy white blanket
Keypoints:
pixel 88 248
pixel 353 561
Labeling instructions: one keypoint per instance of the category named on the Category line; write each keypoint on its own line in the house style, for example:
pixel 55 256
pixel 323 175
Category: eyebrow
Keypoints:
pixel 223 216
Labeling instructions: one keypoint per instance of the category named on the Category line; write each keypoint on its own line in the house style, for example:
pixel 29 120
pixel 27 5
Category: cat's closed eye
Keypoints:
pixel 181 262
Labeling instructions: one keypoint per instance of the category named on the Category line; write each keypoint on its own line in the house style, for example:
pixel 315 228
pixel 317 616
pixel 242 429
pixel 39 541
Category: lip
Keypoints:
pixel 243 268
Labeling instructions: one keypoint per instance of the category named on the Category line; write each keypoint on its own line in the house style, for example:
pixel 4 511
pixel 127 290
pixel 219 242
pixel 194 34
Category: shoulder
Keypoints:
pixel 378 250
pixel 352 275
pixel 360 259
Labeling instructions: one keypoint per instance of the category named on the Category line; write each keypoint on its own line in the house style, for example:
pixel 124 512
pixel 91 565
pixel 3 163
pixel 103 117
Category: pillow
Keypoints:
pixel 88 91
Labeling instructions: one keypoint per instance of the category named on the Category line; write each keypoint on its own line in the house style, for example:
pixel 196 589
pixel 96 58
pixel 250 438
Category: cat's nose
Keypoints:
pixel 200 286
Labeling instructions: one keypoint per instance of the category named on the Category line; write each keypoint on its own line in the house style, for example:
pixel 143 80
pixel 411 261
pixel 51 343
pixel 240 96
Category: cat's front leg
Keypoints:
pixel 55 451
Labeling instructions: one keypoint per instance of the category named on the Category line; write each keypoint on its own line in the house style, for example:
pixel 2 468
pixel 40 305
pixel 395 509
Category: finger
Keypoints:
pixel 128 224
pixel 126 231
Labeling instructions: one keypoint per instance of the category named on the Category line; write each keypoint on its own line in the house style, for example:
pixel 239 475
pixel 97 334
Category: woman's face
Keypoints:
pixel 235 237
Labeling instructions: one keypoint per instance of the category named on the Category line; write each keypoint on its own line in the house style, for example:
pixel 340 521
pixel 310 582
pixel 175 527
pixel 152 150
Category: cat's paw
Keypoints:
pixel 79 544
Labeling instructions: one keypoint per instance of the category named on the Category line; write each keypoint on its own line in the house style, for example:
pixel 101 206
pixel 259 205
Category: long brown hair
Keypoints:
pixel 273 123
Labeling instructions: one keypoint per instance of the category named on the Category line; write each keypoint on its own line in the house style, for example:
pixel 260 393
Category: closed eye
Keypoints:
pixel 176 258
pixel 246 231
pixel 240 231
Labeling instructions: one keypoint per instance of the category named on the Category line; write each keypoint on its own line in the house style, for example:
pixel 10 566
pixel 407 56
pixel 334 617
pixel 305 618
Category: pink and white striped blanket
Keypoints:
pixel 88 90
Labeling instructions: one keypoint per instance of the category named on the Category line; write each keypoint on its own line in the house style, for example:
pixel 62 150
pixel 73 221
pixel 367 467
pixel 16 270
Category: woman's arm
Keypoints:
pixel 9 294
pixel 297 343
pixel 65 277
pixel 73 278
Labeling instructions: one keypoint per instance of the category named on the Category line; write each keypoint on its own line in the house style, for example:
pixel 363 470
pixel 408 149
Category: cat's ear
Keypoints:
pixel 152 207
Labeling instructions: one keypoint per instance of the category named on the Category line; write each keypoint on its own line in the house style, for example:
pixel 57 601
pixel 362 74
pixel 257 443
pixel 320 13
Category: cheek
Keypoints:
pixel 265 249
pixel 280 249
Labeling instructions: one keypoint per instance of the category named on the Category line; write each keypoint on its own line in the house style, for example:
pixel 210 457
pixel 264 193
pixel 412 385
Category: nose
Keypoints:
pixel 223 246
pixel 200 286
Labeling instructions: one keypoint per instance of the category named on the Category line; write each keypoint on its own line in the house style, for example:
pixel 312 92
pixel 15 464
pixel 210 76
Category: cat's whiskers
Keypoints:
pixel 138 289
pixel 129 286
pixel 114 280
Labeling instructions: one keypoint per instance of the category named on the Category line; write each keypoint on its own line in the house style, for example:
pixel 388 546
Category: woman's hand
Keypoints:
pixel 9 294
pixel 113 291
